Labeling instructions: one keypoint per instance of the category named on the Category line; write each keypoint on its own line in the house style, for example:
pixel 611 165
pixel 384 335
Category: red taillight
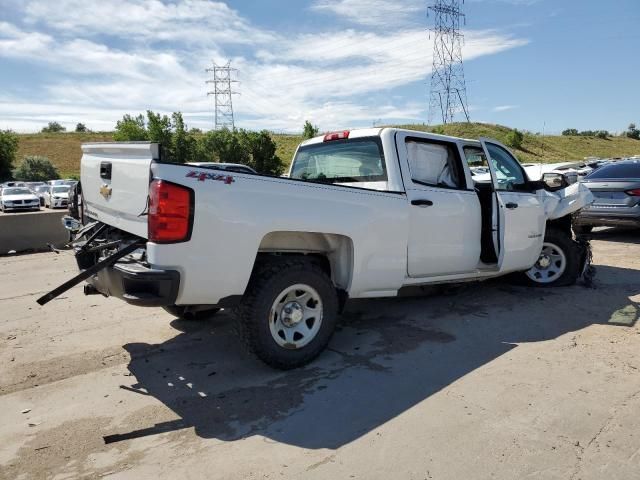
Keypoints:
pixel 336 136
pixel 170 212
pixel 635 192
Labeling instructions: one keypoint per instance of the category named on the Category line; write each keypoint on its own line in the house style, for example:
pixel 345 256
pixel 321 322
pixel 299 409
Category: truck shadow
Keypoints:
pixel 386 357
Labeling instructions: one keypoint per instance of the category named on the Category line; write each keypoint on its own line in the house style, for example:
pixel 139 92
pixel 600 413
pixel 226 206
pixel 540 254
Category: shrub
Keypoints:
pixel 633 132
pixel 35 168
pixel 8 149
pixel 570 132
pixel 53 127
pixel 81 128
pixel 309 130
pixel 131 129
pixel 515 139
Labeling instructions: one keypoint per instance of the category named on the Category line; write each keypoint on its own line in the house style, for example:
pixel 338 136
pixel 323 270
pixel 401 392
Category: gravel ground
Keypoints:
pixel 489 381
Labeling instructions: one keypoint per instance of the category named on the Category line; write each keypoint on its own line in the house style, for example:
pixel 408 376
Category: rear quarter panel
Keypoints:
pixel 234 212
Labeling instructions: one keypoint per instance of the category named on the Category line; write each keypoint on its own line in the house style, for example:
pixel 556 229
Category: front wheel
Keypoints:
pixel 288 313
pixel 559 262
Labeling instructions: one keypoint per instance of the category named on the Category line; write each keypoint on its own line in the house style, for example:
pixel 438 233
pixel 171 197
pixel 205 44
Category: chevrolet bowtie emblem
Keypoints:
pixel 105 190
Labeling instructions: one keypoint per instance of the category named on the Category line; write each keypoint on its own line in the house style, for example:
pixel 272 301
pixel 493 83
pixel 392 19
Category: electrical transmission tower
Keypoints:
pixel 448 95
pixel 222 92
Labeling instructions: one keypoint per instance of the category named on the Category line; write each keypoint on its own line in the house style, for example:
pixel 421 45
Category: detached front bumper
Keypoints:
pixel 136 283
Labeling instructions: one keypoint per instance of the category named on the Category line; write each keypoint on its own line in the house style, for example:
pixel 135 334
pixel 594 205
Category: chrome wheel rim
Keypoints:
pixel 295 316
pixel 550 266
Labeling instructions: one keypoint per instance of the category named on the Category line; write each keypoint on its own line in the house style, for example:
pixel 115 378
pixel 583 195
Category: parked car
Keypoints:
pixel 12 184
pixel 231 167
pixel 18 198
pixel 62 181
pixel 616 188
pixel 363 214
pixel 40 191
pixel 572 171
pixel 57 196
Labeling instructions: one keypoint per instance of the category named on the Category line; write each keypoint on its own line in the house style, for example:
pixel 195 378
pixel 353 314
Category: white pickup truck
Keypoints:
pixel 361 214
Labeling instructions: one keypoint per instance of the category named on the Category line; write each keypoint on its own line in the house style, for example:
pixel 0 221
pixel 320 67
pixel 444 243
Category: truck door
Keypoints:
pixel 444 213
pixel 521 217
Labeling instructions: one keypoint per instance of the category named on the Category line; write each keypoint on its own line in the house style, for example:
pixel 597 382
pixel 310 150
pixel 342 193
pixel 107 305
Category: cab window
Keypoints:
pixel 434 164
pixel 509 173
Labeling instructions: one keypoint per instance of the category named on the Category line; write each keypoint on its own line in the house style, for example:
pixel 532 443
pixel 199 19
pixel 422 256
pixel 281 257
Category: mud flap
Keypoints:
pixel 587 270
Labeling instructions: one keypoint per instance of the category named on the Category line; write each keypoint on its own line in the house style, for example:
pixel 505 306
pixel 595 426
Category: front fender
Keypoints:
pixel 568 200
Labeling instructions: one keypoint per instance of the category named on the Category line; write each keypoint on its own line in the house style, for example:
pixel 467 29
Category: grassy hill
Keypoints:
pixel 63 149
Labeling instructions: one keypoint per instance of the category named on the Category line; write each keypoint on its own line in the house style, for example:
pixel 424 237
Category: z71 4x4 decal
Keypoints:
pixel 202 176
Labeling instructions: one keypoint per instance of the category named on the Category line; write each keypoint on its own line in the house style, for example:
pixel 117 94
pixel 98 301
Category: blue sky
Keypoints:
pixel 531 64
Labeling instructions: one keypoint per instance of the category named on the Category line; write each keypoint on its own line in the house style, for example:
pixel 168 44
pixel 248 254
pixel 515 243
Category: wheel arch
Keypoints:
pixel 332 252
pixel 563 224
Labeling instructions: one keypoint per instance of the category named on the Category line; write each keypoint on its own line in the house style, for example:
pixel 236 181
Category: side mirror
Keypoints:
pixel 554 181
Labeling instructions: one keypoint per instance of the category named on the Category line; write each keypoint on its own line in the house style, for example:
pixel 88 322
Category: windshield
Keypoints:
pixel 616 170
pixel 357 160
pixel 16 191
pixel 42 188
pixel 60 189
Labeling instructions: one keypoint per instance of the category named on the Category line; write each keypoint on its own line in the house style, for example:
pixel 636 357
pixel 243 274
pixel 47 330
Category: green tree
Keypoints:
pixel 35 168
pixel 515 138
pixel 8 148
pixel 159 128
pixel 570 132
pixel 262 149
pixel 81 127
pixel 224 146
pixel 309 130
pixel 184 144
pixel 131 129
pixel 633 132
pixel 53 127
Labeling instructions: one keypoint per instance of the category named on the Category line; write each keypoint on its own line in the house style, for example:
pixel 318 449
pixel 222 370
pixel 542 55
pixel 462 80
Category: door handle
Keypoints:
pixel 511 205
pixel 422 203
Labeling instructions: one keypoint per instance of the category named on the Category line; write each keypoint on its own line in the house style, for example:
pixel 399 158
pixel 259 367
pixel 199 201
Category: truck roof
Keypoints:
pixel 371 132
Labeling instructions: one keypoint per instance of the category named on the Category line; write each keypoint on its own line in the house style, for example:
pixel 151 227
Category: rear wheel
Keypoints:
pixel 186 312
pixel 558 264
pixel 288 313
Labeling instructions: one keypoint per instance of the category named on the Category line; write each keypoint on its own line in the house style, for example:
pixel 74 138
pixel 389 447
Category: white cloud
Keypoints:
pixel 191 21
pixel 332 78
pixel 375 12
pixel 504 108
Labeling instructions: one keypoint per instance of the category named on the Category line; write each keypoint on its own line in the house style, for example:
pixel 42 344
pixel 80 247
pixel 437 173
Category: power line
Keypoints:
pixel 448 95
pixel 222 94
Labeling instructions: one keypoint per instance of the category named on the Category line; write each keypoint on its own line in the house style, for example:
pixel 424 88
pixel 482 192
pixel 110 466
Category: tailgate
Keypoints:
pixel 115 183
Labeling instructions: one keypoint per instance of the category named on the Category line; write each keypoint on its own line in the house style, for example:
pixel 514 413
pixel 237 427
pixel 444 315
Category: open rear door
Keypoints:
pixel 521 214
pixel 115 183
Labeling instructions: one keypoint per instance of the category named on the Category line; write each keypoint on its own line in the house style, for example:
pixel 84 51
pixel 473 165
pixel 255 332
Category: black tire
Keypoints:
pixel 582 229
pixel 571 250
pixel 183 313
pixel 268 281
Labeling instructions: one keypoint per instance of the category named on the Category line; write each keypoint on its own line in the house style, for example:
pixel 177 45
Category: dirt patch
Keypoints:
pixel 33 374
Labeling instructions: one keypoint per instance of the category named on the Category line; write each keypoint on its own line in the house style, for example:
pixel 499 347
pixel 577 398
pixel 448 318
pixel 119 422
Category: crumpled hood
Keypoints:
pixel 566 201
